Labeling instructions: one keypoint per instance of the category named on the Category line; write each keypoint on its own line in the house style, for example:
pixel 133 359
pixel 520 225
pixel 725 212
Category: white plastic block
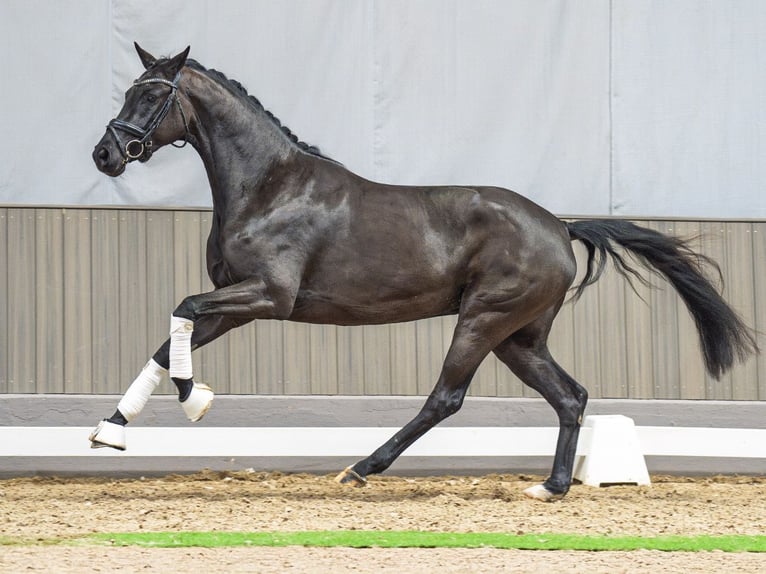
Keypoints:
pixel 612 452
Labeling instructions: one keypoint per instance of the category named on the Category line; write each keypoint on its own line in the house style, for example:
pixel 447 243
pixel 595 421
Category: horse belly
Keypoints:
pixel 345 309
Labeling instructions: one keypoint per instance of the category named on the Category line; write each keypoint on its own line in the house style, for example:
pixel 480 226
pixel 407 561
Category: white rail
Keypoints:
pixel 360 441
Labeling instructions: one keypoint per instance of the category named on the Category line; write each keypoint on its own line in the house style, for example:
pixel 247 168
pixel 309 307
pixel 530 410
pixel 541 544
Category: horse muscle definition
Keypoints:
pixel 296 236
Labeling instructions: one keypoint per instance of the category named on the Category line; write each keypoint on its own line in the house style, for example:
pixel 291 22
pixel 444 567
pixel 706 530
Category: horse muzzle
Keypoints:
pixel 108 158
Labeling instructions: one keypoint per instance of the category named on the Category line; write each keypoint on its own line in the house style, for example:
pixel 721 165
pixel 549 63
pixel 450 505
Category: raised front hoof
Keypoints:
pixel 198 403
pixel 350 477
pixel 539 492
pixel 108 434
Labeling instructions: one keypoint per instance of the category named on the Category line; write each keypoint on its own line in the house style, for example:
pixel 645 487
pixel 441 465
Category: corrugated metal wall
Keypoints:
pixel 86 294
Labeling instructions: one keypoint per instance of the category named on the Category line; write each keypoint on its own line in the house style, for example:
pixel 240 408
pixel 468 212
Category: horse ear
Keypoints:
pixel 177 62
pixel 146 58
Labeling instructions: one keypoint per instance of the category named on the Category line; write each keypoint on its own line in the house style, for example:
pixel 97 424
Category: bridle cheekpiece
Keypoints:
pixel 141 144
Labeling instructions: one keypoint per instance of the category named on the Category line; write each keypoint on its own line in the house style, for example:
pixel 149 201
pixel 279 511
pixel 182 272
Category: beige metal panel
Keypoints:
pixel 4 299
pixel 105 303
pixel 49 304
pixel 78 302
pixel 21 325
pixel 403 358
pixel 133 295
pixel 18 277
pixel 297 358
pixel 484 382
pixel 323 349
pixel 242 363
pixel 160 285
pixel 188 255
pixel 759 292
pixel 270 352
pixel 377 359
pixel 740 293
pixel 351 361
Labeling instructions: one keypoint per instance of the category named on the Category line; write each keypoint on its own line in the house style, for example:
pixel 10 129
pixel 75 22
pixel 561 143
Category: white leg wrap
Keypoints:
pixel 139 391
pixel 180 347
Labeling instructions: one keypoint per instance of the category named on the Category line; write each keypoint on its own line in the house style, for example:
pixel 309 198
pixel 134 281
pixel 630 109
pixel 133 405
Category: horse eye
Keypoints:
pixel 149 97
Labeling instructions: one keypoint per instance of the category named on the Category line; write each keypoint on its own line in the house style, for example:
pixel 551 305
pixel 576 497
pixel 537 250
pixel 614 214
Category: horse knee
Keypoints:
pixel 187 309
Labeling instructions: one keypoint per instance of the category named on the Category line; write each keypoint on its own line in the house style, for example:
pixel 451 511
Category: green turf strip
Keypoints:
pixel 410 539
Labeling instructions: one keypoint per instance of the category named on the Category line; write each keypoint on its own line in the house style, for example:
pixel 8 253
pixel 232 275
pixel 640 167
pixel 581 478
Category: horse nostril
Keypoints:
pixel 103 154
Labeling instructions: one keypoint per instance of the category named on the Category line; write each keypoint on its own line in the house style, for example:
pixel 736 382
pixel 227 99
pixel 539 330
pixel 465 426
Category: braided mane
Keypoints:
pixel 241 91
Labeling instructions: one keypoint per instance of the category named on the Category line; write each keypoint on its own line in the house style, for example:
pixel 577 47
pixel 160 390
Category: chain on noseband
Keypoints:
pixel 142 142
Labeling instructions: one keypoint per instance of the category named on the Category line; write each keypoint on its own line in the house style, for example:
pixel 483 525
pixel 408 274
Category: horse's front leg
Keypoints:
pixel 195 399
pixel 241 303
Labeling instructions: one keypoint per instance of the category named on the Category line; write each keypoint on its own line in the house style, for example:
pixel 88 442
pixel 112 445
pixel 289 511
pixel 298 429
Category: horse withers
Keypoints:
pixel 296 236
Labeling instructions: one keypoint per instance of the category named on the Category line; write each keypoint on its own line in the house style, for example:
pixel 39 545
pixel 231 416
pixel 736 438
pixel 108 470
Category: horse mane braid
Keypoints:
pixel 255 102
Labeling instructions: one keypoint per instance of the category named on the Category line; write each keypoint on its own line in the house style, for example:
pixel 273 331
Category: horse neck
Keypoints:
pixel 238 143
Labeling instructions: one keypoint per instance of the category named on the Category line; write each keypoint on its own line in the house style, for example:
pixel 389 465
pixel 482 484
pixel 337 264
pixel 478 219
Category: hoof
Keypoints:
pixel 198 402
pixel 351 478
pixel 539 492
pixel 108 434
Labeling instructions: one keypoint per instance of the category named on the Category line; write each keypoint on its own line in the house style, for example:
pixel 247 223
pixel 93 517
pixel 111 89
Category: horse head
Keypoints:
pixel 152 116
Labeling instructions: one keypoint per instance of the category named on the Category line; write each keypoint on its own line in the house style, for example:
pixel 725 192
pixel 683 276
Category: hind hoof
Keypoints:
pixel 108 434
pixel 539 492
pixel 350 477
pixel 198 402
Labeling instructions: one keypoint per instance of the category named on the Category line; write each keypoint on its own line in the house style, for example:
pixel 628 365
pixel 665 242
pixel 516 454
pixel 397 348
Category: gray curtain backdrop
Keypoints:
pixel 588 107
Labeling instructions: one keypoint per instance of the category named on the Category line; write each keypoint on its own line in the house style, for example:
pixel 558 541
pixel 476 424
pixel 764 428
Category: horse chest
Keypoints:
pixel 266 249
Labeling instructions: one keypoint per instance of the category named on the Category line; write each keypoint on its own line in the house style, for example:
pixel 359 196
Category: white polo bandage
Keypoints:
pixel 139 391
pixel 180 347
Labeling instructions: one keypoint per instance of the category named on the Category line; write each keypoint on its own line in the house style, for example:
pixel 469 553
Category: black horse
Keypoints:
pixel 296 236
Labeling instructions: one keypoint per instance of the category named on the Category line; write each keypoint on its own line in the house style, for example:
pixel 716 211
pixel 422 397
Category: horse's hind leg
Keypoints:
pixel 111 432
pixel 471 343
pixel 526 354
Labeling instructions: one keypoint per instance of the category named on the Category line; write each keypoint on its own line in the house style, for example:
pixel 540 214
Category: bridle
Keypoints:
pixel 141 144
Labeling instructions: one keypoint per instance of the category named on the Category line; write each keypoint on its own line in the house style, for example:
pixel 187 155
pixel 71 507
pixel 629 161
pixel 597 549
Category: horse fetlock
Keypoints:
pixel 198 402
pixel 184 386
pixel 108 434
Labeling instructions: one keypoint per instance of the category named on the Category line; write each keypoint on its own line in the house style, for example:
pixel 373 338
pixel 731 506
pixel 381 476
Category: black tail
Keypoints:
pixel 723 335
